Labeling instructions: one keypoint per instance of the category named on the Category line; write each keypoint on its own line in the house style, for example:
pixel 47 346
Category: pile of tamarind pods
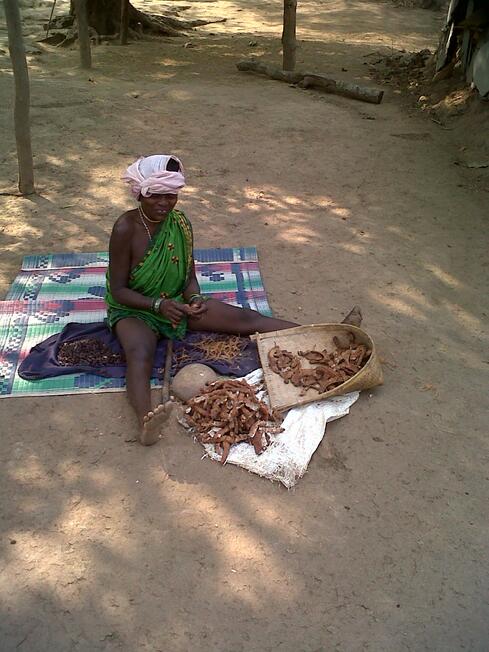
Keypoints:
pixel 228 412
pixel 331 368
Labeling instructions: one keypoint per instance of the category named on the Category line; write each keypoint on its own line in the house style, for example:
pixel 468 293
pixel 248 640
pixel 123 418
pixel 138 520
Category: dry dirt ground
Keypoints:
pixel 383 544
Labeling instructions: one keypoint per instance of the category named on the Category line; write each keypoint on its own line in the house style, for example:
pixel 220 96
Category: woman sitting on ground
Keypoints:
pixel 152 288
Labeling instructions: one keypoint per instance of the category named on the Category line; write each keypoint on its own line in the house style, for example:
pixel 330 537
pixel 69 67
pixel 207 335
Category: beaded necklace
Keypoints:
pixel 141 217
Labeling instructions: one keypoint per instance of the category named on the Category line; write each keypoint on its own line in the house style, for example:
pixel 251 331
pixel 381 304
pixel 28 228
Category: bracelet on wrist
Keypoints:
pixel 200 297
pixel 156 304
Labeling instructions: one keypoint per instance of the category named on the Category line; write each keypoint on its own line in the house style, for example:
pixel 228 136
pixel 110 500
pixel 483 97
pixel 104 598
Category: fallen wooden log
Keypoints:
pixel 347 89
pixel 249 65
pixel 309 79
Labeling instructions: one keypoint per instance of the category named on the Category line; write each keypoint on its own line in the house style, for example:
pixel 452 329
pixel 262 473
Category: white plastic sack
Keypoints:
pixel 288 455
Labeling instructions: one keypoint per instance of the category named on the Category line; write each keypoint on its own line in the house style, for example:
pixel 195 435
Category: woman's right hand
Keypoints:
pixel 173 311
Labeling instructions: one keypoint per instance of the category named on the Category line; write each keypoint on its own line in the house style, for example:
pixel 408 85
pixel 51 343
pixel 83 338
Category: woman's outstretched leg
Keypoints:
pixel 223 318
pixel 139 344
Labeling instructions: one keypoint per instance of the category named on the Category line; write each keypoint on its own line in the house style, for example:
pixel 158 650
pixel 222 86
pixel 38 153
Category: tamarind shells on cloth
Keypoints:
pixel 191 380
pixel 315 337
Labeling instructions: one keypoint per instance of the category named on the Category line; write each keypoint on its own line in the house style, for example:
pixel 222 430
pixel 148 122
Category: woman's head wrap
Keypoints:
pixel 149 176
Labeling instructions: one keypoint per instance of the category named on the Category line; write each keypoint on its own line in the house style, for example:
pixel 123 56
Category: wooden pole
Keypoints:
pixel 124 21
pixel 289 43
pixel 50 18
pixel 83 34
pixel 22 123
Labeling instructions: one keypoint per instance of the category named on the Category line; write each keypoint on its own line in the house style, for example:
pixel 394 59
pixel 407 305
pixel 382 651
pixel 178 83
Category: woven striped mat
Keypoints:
pixel 55 289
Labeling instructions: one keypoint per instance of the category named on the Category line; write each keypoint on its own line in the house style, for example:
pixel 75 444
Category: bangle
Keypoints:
pixel 156 304
pixel 201 297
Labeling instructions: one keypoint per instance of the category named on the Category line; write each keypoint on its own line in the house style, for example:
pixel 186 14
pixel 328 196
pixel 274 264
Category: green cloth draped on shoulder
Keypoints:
pixel 163 272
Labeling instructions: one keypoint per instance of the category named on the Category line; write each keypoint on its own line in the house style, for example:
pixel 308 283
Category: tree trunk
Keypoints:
pixel 83 35
pixel 289 44
pixel 22 97
pixel 124 21
pixel 103 15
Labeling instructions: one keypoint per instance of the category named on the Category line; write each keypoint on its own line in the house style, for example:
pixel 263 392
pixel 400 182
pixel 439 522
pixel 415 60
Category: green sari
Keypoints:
pixel 163 272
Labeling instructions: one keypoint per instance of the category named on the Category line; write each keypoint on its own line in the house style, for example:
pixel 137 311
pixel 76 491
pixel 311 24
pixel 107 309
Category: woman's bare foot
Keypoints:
pixel 153 424
pixel 354 317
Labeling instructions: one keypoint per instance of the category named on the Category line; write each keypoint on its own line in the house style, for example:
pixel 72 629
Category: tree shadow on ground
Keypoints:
pixel 119 547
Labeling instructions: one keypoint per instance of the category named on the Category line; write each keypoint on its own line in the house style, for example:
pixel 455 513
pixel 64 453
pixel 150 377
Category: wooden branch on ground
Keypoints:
pixel 347 89
pixel 309 79
pixel 22 97
pixel 170 26
pixel 250 65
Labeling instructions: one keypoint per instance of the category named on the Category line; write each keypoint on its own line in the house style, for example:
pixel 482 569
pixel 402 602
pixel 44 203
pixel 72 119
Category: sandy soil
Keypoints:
pixel 383 544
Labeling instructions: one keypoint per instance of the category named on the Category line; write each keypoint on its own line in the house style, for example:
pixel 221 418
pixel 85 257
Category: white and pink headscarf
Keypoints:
pixel 148 175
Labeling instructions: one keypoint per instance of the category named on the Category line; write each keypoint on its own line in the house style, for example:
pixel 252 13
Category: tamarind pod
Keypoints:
pixel 226 447
pixel 362 351
pixel 351 369
pixel 215 410
pixel 248 424
pixel 337 342
pixel 296 378
pixel 213 440
pixel 284 362
pixel 254 428
pixel 213 387
pixel 272 430
pixel 306 388
pixel 200 410
pixel 204 425
pixel 312 356
pixel 251 406
pixel 257 441
pixel 205 440
pixel 357 349
pixel 274 352
pixel 273 366
pixel 221 432
pixel 321 372
pixel 308 377
pixel 276 415
pixel 345 356
pixel 287 375
pixel 325 385
pixel 233 385
pixel 234 410
pixel 198 399
pixel 265 412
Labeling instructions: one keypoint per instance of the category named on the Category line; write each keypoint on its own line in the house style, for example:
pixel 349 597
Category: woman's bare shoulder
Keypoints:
pixel 124 225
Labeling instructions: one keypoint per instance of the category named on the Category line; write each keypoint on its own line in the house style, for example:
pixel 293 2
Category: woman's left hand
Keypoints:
pixel 198 307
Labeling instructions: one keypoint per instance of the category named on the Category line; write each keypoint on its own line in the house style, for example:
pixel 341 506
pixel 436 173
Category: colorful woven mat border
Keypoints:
pixel 101 258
